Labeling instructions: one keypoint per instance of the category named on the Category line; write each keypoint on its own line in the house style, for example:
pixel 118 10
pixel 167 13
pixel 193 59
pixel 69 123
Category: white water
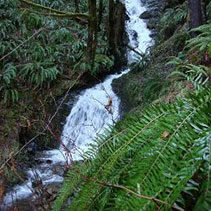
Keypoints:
pixel 88 117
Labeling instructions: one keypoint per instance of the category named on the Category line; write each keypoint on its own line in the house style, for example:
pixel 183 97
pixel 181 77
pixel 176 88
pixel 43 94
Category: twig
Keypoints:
pixel 33 35
pixel 154 200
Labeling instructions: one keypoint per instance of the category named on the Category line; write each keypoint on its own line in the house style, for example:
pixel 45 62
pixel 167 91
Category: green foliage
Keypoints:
pixel 102 61
pixel 7 80
pixel 59 48
pixel 38 73
pixel 10 95
pixel 202 42
pixel 140 64
pixel 32 20
pixel 198 75
pixel 154 154
pixel 209 12
pixel 187 67
pixel 152 87
pixel 204 201
pixel 9 73
pixel 172 18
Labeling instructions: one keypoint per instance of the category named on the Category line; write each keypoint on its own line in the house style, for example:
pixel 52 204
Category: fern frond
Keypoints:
pixel 142 158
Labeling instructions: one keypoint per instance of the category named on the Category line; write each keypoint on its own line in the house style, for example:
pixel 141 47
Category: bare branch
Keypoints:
pixel 33 35
pixel 154 200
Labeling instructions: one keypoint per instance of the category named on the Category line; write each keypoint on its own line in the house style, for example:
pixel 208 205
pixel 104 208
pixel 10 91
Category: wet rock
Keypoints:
pixel 152 23
pixel 32 148
pixel 38 161
pixel 143 1
pixel 59 170
pixel 146 15
pixel 153 33
pixel 152 15
pixel 36 183
pixel 135 35
pixel 49 161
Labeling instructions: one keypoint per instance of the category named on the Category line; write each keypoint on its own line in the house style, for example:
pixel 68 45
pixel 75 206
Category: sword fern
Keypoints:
pixel 155 154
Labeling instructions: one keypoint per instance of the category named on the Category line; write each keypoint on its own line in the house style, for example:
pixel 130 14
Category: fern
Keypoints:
pixel 9 73
pixel 140 64
pixel 38 73
pixel 9 94
pixel 198 75
pixel 203 41
pixel 173 17
pixel 143 159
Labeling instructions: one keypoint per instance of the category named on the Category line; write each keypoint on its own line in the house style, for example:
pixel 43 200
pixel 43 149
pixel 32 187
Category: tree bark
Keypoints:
pixel 111 33
pixel 92 32
pixel 76 5
pixel 195 9
pixel 100 13
pixel 204 11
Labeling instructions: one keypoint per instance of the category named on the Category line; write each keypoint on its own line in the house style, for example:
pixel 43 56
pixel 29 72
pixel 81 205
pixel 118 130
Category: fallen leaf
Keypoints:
pixel 165 134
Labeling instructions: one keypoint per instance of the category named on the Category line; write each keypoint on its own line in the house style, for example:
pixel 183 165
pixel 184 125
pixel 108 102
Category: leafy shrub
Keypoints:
pixel 9 73
pixel 197 75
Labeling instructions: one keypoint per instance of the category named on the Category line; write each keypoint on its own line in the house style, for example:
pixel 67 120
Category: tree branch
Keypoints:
pixel 154 200
pixel 134 50
pixel 33 35
pixel 57 13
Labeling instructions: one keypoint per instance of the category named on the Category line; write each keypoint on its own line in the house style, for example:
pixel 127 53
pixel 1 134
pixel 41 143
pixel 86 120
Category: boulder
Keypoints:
pixel 146 15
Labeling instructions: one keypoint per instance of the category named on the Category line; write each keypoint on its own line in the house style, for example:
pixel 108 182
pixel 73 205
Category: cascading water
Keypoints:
pixel 94 110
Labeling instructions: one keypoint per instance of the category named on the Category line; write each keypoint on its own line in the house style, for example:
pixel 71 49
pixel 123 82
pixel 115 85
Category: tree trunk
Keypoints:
pixel 195 9
pixel 204 11
pixel 92 32
pixel 76 5
pixel 111 33
pixel 100 13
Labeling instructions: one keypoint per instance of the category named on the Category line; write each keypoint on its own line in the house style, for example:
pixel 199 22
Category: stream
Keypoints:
pixel 94 110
